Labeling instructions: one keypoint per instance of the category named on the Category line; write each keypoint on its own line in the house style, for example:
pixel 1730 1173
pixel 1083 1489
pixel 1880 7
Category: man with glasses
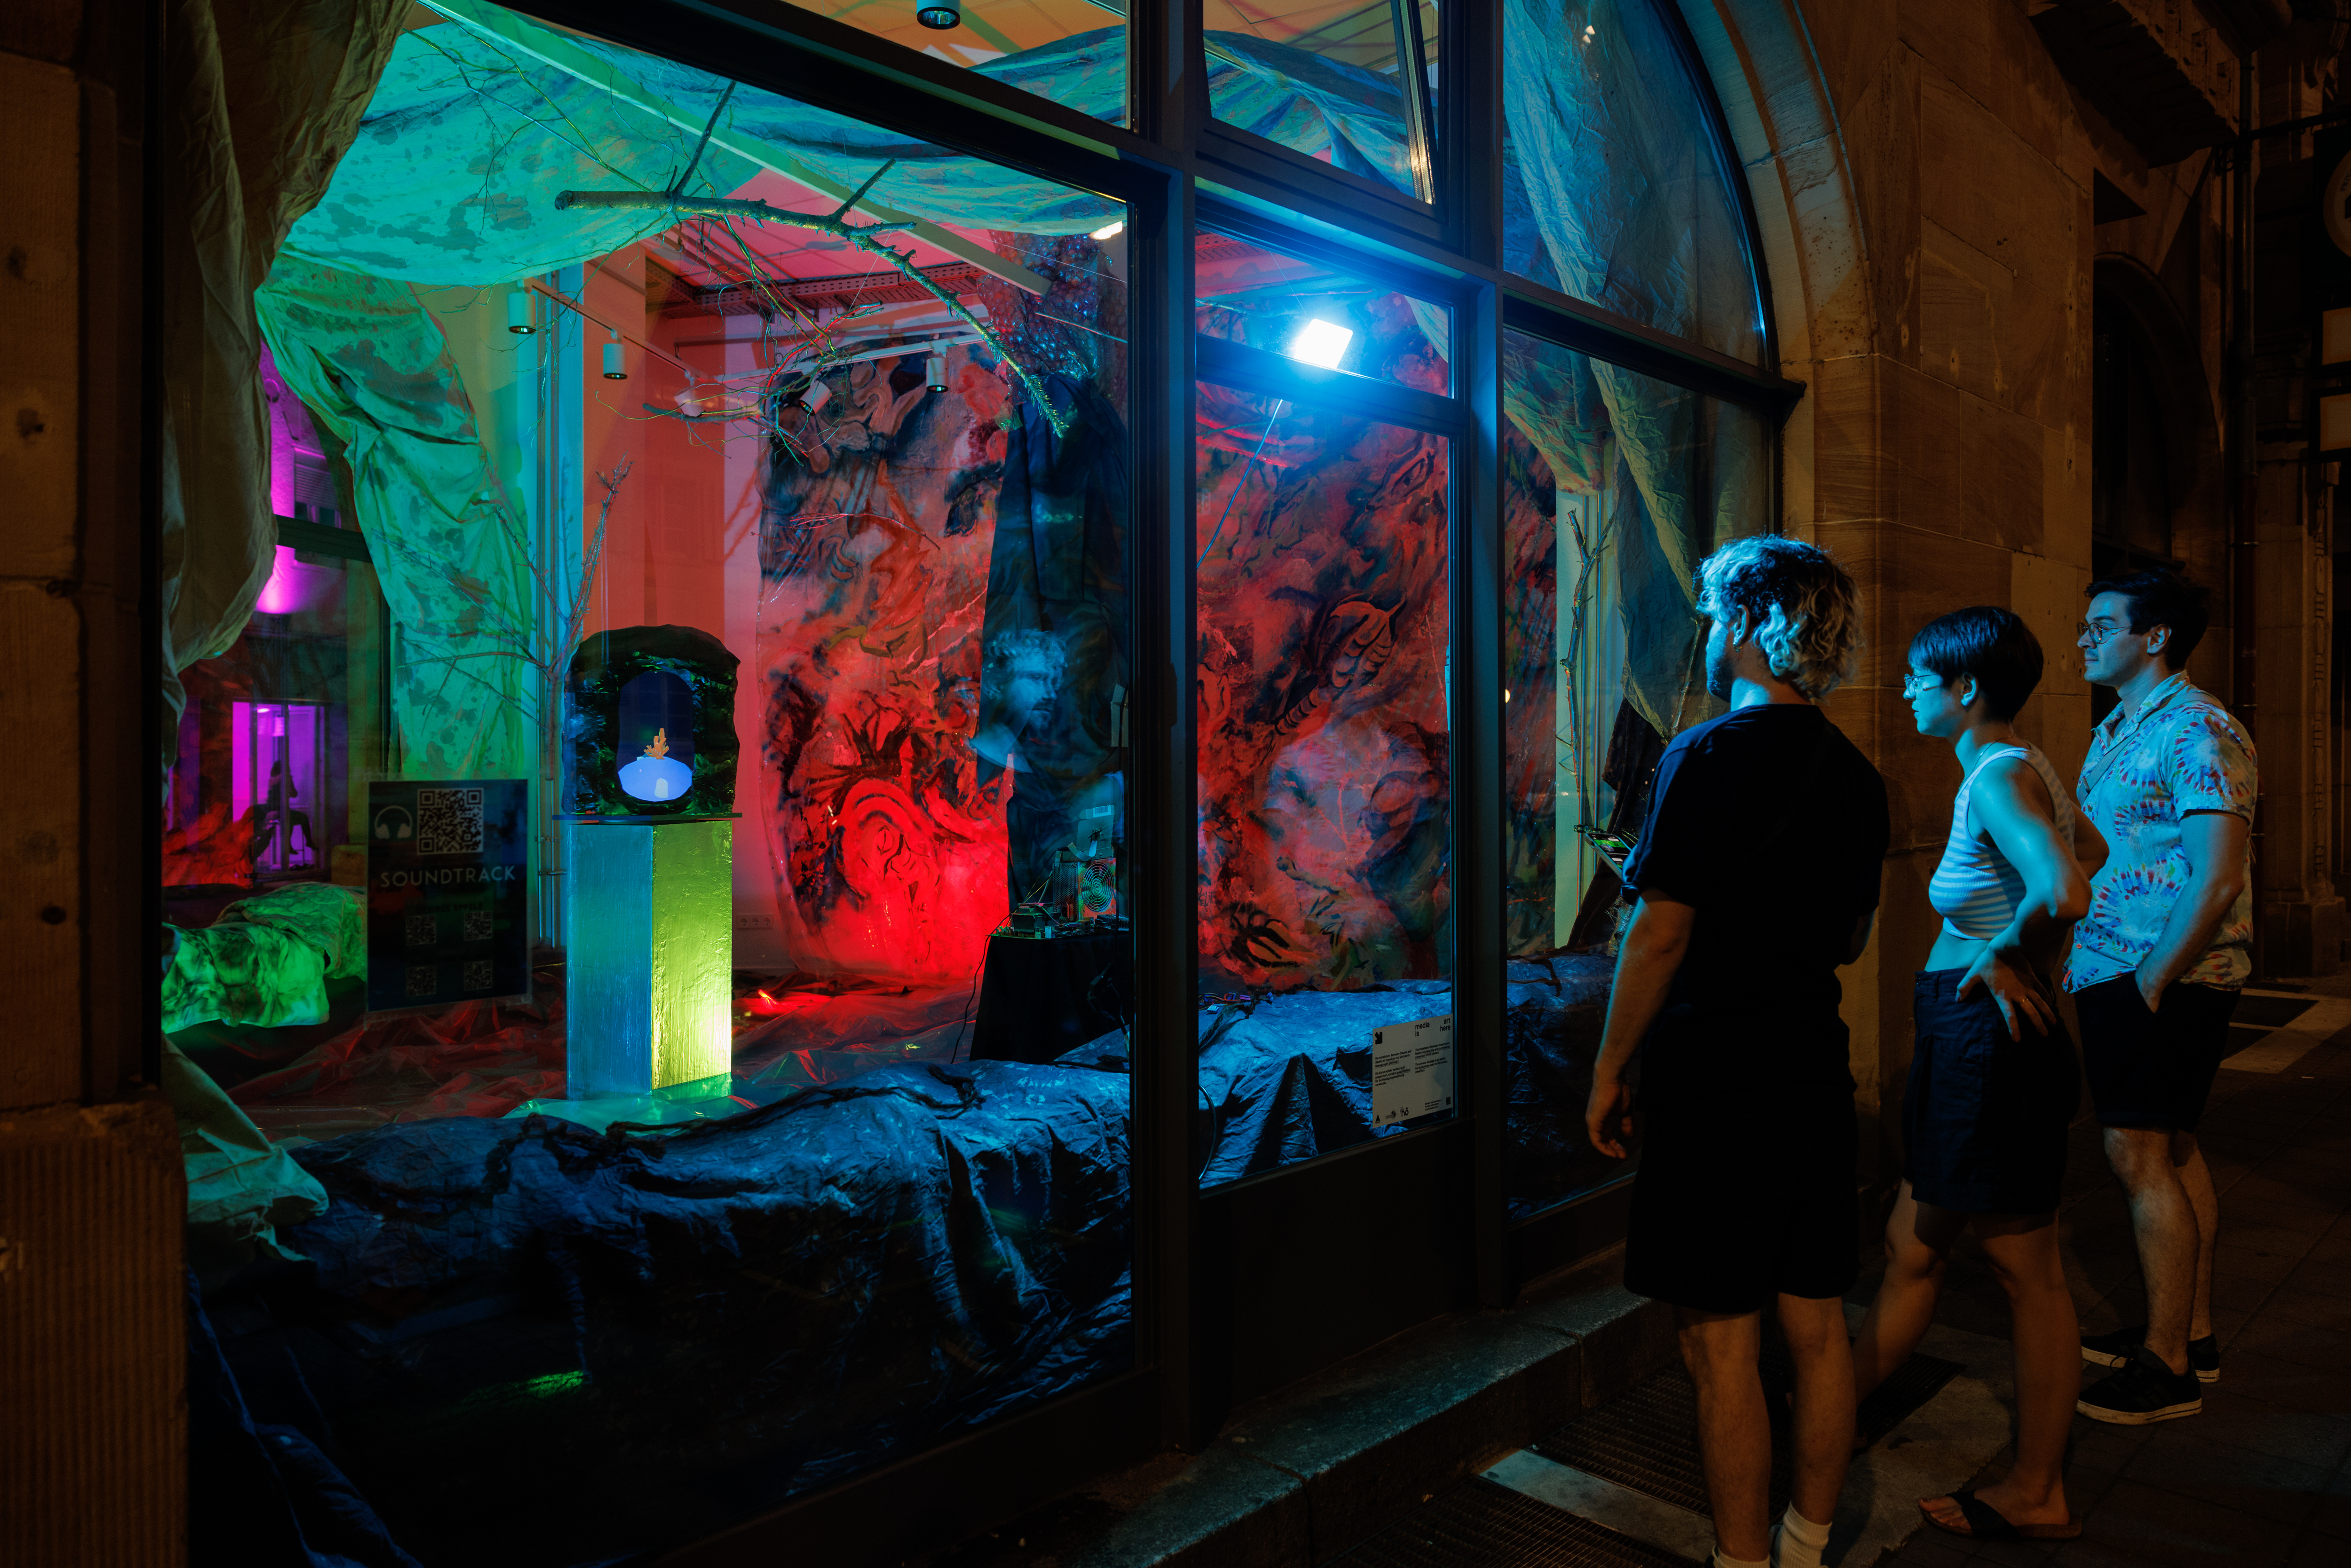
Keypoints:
pixel 2156 968
pixel 1756 877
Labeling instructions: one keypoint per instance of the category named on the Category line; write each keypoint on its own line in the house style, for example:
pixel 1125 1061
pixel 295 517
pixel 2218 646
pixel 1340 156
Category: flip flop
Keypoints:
pixel 1986 1522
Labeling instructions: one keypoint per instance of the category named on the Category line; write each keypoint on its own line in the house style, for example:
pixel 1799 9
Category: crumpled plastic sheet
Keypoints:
pixel 265 961
pixel 485 1059
pixel 478 1059
pixel 1555 1011
pixel 1291 1077
pixel 759 1305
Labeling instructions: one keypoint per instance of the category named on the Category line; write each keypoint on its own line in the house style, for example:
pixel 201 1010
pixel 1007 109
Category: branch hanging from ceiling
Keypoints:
pixel 862 235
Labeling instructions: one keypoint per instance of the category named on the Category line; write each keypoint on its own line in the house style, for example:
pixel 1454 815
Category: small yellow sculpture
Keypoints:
pixel 660 747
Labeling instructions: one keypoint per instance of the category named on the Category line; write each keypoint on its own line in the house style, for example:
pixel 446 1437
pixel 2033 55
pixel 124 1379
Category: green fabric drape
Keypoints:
pixel 260 99
pixel 450 547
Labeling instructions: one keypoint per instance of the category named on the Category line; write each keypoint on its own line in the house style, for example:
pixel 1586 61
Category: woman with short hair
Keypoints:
pixel 1993 1079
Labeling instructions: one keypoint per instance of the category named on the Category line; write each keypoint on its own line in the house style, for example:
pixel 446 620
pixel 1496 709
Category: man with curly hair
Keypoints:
pixel 1756 877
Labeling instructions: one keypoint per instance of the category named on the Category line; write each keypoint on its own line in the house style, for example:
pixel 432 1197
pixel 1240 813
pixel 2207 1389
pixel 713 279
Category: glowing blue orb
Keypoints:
pixel 656 777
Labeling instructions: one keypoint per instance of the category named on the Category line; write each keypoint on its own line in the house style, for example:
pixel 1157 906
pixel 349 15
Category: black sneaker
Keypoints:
pixel 2115 1349
pixel 2142 1393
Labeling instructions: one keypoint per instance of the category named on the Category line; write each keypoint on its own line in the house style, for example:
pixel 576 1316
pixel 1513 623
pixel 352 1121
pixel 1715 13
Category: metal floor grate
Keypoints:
pixel 1481 1525
pixel 1647 1439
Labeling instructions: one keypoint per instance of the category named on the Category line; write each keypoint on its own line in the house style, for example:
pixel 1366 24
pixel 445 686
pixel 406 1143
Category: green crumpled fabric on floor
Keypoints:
pixel 265 961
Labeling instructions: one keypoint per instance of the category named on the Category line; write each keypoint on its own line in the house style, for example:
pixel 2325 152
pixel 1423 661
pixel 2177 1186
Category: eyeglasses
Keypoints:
pixel 1913 683
pixel 2095 632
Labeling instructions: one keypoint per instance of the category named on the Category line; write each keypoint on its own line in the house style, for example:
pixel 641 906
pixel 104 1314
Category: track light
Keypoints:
pixel 939 18
pixel 1109 230
pixel 937 372
pixel 518 321
pixel 614 371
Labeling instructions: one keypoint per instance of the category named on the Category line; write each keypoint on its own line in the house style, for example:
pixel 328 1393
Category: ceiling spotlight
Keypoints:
pixel 614 371
pixel 1110 230
pixel 935 374
pixel 939 18
pixel 1321 342
pixel 518 313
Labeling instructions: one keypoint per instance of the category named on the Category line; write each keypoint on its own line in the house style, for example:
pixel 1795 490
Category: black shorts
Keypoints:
pixel 2152 1069
pixel 1984 1117
pixel 1745 1197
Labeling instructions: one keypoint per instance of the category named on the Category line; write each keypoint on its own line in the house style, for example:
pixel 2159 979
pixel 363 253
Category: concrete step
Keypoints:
pixel 1303 1476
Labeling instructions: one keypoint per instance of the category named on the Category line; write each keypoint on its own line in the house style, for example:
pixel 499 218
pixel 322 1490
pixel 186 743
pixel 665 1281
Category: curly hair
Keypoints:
pixel 1802 608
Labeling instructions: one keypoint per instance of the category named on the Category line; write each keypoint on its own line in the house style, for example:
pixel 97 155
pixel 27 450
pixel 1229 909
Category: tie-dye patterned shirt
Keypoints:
pixel 2183 752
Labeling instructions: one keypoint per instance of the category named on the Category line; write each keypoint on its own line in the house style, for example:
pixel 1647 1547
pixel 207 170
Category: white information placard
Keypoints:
pixel 1412 1070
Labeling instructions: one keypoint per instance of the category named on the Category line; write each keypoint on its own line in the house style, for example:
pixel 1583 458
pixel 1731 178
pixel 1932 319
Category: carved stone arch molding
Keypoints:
pixel 1784 130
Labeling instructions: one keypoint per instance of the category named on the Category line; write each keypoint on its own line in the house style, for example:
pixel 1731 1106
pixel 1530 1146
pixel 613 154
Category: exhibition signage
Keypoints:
pixel 448 874
pixel 1412 1071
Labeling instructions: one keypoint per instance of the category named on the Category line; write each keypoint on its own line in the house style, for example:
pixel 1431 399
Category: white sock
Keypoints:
pixel 1725 1560
pixel 1797 1542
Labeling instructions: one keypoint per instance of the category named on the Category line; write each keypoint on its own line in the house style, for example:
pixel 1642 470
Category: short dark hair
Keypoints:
pixel 1992 644
pixel 2162 598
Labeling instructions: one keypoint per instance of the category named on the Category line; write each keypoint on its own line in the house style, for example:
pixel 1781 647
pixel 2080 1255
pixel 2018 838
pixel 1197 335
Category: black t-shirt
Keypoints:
pixel 1773 826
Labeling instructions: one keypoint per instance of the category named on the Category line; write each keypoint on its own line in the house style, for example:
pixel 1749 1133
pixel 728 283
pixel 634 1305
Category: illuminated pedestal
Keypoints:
pixel 648 971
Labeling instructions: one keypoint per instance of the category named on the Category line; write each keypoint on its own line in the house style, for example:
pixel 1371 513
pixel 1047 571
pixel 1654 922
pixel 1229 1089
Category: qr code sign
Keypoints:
pixel 448 821
pixel 423 931
pixel 423 980
pixel 479 925
pixel 477 974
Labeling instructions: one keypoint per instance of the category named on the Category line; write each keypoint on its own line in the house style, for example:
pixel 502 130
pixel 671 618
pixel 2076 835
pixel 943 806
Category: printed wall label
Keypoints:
pixel 1412 1070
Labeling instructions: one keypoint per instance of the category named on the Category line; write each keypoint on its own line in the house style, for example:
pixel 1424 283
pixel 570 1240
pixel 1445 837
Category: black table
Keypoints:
pixel 1043 996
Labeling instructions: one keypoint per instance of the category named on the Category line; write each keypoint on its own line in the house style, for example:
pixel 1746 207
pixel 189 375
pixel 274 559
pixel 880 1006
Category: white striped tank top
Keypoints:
pixel 1974 889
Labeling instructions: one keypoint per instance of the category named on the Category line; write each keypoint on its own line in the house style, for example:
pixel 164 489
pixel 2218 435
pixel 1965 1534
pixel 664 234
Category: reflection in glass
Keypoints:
pixel 1334 79
pixel 1318 315
pixel 1611 188
pixel 1324 894
pixel 885 469
pixel 1613 487
pixel 1071 51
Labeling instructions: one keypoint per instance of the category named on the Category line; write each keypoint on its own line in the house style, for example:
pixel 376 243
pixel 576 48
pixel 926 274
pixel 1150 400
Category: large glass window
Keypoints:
pixel 1350 83
pixel 654 868
pixel 1325 935
pixel 1611 190
pixel 1614 485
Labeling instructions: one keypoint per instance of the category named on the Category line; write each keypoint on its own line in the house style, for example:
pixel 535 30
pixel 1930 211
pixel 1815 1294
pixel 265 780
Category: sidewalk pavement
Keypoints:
pixel 2264 1475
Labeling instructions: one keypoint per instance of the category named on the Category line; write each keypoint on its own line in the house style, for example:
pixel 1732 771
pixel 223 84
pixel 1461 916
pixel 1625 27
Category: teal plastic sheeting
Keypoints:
pixel 480 122
pixel 449 546
pixel 453 175
pixel 1613 195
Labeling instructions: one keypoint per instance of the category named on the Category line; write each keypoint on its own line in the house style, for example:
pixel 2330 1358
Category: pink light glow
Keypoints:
pixel 286 590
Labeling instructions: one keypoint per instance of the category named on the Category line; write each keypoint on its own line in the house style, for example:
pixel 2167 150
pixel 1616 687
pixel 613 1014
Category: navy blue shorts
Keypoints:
pixel 1743 1196
pixel 1984 1118
pixel 2148 1069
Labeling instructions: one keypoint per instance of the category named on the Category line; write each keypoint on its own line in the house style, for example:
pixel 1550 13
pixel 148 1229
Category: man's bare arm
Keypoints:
pixel 1652 954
